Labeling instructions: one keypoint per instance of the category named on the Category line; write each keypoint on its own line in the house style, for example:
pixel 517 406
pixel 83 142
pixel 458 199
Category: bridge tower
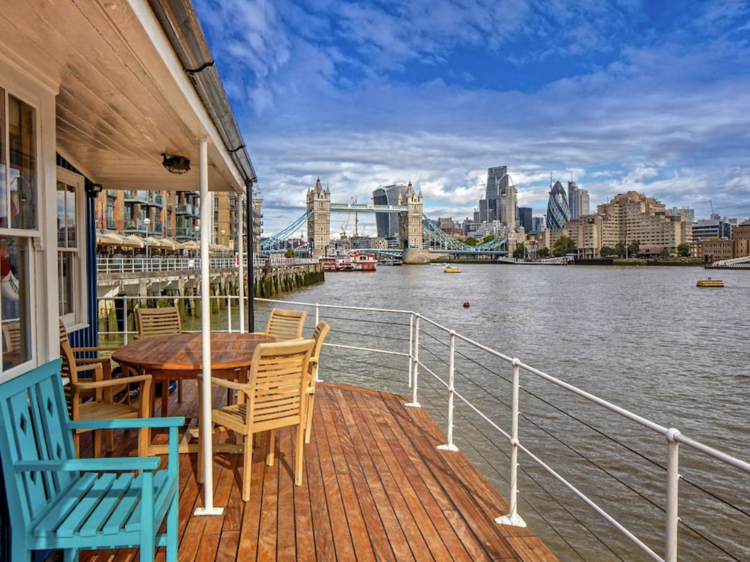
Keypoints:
pixel 410 227
pixel 319 223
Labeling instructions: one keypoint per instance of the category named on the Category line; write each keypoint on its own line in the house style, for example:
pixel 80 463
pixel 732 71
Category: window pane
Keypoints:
pixel 3 185
pixel 70 211
pixel 61 240
pixel 66 276
pixel 23 177
pixel 14 301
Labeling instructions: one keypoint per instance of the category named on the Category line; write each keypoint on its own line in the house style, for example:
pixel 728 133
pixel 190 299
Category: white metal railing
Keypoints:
pixel 157 264
pixel 673 438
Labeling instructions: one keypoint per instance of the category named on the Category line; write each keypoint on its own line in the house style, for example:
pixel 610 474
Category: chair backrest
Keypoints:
pixel 12 334
pixel 158 321
pixel 276 387
pixel 319 334
pixel 286 325
pixel 33 426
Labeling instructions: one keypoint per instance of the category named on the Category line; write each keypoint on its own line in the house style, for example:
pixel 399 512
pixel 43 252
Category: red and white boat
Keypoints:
pixel 363 262
pixel 353 261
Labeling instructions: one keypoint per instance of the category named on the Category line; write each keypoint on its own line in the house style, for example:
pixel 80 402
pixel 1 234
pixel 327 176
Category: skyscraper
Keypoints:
pixel 525 218
pixel 558 212
pixel 578 200
pixel 387 223
pixel 497 180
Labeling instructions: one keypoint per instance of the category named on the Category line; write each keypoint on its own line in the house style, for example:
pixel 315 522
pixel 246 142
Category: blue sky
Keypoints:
pixel 619 95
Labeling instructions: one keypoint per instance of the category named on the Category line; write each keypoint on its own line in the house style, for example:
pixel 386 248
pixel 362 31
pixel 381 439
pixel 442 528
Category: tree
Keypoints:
pixel 607 251
pixel 564 245
pixel 488 238
pixel 543 252
pixel 635 248
pixel 683 249
pixel 519 252
pixel 620 249
pixel 664 254
pixel 470 241
pixel 289 253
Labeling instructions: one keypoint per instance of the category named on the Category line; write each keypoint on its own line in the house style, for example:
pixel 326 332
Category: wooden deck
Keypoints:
pixel 375 488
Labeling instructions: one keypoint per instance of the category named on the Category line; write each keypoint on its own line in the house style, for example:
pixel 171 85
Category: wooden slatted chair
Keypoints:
pixel 92 398
pixel 12 335
pixel 319 334
pixel 59 501
pixel 285 325
pixel 275 397
pixel 103 358
pixel 160 322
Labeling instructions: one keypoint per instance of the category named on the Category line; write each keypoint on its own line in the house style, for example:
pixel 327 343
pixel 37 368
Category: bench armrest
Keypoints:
pixel 133 423
pixel 109 464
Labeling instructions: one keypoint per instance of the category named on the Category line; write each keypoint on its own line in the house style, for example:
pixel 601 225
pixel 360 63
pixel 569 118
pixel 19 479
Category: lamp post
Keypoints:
pixel 223 232
pixel 146 222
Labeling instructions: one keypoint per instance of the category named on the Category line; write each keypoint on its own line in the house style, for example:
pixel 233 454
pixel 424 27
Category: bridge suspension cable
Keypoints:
pixel 283 235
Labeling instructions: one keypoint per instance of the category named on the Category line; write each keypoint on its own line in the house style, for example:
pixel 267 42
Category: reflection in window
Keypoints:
pixel 23 174
pixel 3 180
pixel 14 301
pixel 67 247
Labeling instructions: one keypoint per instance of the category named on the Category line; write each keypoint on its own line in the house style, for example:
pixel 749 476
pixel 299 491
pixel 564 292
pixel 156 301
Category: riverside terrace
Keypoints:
pixel 375 487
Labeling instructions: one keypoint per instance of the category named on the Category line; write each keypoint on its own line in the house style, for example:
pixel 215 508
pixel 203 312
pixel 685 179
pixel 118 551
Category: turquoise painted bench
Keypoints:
pixel 57 501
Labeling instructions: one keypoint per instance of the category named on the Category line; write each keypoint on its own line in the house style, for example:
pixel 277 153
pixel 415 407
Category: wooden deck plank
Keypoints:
pixel 374 488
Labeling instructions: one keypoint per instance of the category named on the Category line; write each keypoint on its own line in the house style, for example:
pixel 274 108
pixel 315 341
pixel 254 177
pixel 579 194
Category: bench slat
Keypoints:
pixel 134 523
pixel 63 504
pixel 106 506
pixel 85 506
pixel 124 508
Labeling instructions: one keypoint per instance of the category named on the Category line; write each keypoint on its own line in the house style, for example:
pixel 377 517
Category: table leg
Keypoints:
pixel 164 398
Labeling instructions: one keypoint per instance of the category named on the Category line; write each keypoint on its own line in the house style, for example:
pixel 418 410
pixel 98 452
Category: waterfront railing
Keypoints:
pixel 678 494
pixel 169 263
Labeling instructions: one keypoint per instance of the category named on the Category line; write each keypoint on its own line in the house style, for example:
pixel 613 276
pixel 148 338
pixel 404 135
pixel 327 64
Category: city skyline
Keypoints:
pixel 616 96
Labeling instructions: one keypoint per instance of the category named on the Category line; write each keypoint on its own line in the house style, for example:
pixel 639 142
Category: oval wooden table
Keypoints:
pixel 180 356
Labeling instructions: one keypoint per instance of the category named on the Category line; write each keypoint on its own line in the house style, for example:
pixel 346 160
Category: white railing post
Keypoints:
pixel 125 320
pixel 451 391
pixel 229 315
pixel 513 519
pixel 317 314
pixel 415 361
pixel 411 347
pixel 673 481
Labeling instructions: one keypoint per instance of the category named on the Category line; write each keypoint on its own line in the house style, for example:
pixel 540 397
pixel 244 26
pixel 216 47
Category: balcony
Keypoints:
pixel 184 210
pixel 185 233
pixel 134 226
pixel 112 194
pixel 142 197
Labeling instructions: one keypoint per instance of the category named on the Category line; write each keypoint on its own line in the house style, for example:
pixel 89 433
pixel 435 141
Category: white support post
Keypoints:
pixel 673 481
pixel 124 321
pixel 241 258
pixel 229 314
pixel 415 361
pixel 317 313
pixel 513 519
pixel 206 424
pixel 451 391
pixel 411 348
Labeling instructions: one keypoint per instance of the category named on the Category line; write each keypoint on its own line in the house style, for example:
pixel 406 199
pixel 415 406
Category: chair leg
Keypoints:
pixel 309 417
pixel 247 468
pixel 271 447
pixel 97 443
pixel 77 443
pixel 109 439
pixel 299 455
pixel 179 391
pixel 69 555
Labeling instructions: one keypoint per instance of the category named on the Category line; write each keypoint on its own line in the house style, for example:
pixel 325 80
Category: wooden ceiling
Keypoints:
pixel 123 99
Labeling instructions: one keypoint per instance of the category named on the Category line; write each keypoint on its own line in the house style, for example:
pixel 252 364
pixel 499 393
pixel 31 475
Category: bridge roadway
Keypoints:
pixel 368 208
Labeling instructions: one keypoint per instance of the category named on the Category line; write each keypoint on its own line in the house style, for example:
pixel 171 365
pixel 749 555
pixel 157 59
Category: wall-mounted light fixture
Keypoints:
pixel 176 164
pixel 96 188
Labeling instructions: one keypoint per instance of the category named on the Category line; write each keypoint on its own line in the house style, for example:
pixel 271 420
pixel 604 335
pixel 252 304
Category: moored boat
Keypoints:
pixel 709 283
pixel 451 269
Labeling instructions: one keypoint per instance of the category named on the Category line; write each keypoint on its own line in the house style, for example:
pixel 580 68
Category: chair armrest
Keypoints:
pixel 90 349
pixel 109 464
pixel 129 423
pixel 109 382
pixel 90 367
pixel 225 383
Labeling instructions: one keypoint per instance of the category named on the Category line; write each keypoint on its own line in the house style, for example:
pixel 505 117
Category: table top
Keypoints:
pixel 183 352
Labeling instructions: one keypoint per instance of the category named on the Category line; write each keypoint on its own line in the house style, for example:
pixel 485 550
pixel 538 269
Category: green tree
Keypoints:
pixel 543 252
pixel 289 253
pixel 620 249
pixel 470 241
pixel 519 252
pixel 664 254
pixel 607 251
pixel 488 238
pixel 635 248
pixel 564 245
pixel 683 249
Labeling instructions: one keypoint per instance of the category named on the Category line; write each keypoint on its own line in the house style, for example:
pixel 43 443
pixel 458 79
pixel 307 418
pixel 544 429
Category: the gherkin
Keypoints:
pixel 558 212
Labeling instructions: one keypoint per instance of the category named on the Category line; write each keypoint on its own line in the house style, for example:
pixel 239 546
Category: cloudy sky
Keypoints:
pixel 617 94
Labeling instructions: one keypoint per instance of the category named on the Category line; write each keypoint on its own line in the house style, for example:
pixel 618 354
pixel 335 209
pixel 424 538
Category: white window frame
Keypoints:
pixel 77 319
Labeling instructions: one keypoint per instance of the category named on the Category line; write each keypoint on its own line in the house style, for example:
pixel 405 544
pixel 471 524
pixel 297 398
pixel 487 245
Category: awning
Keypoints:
pixel 163 243
pixel 191 245
pixel 107 238
pixel 133 241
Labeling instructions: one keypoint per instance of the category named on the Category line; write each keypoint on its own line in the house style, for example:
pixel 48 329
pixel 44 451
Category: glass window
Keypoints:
pixel 70 274
pixel 3 180
pixel 15 301
pixel 23 173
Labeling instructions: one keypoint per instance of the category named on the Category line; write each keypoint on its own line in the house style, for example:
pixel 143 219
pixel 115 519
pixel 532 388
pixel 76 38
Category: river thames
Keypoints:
pixel 645 338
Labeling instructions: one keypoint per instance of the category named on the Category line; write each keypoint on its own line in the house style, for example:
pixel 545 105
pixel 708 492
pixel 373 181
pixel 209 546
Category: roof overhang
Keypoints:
pixel 124 99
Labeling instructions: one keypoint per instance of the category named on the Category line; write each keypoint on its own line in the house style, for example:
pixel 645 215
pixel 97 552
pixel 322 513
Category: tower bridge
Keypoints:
pixel 413 228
